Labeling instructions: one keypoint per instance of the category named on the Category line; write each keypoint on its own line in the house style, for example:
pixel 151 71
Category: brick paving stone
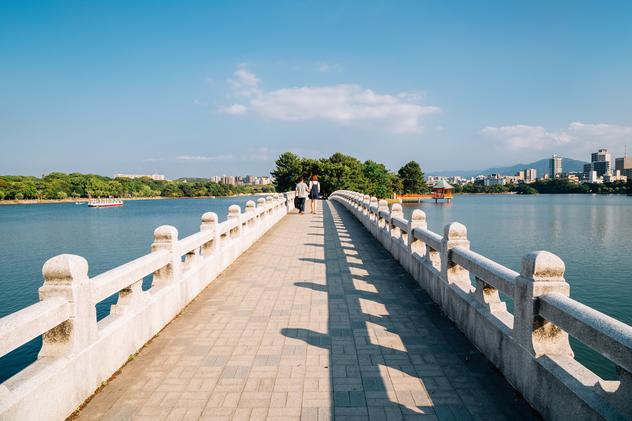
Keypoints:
pixel 315 322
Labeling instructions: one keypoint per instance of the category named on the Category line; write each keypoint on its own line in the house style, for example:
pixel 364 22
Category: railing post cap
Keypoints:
pixel 455 231
pixel 396 207
pixel 165 234
pixel 65 269
pixel 542 266
pixel 269 199
pixel 374 200
pixel 418 215
pixel 234 210
pixel 382 203
pixel 261 200
pixel 209 217
pixel 250 204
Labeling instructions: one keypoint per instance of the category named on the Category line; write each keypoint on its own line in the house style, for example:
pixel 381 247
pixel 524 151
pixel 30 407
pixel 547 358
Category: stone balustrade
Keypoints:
pixel 79 353
pixel 529 345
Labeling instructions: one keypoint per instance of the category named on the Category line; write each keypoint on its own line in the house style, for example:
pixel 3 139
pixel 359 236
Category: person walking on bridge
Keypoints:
pixel 301 194
pixel 314 192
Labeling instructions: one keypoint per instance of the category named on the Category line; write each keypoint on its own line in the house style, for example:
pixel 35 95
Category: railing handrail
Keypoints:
pixel 18 328
pixel 430 238
pixel 114 280
pixel 607 335
pixel 493 273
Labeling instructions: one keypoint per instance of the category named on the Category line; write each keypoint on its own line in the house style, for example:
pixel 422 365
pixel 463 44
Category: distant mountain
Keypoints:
pixel 541 166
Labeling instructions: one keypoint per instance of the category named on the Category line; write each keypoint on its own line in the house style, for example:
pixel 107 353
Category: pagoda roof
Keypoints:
pixel 442 184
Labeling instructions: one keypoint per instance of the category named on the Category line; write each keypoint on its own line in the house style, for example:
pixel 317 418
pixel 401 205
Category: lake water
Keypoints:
pixel 592 234
pixel 31 234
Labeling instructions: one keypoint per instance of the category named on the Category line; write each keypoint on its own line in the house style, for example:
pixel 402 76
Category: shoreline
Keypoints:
pixel 83 200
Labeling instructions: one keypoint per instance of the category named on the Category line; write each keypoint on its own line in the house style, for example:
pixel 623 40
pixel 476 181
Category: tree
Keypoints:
pixel 377 179
pixel 412 178
pixel 288 170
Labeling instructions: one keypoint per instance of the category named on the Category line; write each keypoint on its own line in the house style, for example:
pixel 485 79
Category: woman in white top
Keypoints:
pixel 314 192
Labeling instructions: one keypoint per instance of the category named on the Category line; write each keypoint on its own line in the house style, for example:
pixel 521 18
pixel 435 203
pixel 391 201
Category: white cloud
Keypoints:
pixel 204 158
pixel 329 67
pixel 345 104
pixel 234 109
pixel 522 136
pixel 576 139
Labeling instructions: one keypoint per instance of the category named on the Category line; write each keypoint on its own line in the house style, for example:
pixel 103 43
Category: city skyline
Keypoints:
pixel 194 89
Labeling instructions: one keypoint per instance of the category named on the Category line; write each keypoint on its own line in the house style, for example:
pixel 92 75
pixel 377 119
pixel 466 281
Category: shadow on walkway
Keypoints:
pixel 392 354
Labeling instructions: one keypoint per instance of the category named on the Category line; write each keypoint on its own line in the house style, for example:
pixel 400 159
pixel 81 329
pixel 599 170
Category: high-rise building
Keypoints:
pixel 555 166
pixel 530 175
pixel 624 166
pixel 601 162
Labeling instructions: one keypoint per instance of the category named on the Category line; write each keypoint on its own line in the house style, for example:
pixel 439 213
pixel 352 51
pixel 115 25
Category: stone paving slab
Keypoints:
pixel 315 322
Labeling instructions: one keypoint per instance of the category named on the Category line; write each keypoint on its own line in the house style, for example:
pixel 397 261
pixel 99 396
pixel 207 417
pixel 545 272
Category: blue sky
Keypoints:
pixel 201 88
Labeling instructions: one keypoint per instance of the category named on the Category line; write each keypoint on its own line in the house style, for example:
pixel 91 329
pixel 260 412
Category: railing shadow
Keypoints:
pixel 392 354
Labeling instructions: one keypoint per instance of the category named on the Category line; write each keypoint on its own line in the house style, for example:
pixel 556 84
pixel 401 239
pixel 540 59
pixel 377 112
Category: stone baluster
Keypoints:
pixel 542 273
pixel 128 298
pixel 166 238
pixel 489 296
pixel 66 277
pixel 269 205
pixel 234 215
pixel 454 235
pixel 209 223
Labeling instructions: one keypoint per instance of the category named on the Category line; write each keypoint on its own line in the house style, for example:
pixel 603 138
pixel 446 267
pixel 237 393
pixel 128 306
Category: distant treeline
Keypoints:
pixel 62 186
pixel 344 172
pixel 550 187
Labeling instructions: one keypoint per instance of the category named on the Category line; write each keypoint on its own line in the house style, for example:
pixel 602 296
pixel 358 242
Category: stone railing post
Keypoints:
pixel 382 205
pixel 66 277
pixel 373 203
pixel 209 223
pixel 542 273
pixel 234 214
pixel 417 220
pixel 289 201
pixel 261 204
pixel 166 238
pixel 251 207
pixel 396 212
pixel 454 235
pixel 269 205
pixel 395 233
pixel 366 202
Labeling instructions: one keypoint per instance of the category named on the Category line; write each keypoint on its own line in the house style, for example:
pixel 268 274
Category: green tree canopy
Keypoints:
pixel 288 169
pixel 412 178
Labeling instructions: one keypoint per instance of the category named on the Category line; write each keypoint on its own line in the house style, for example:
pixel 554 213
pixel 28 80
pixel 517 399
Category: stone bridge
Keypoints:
pixel 350 313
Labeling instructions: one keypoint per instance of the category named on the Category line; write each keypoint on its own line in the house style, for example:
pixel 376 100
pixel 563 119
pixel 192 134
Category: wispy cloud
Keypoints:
pixel 344 104
pixel 234 109
pixel 225 157
pixel 576 138
pixel 329 67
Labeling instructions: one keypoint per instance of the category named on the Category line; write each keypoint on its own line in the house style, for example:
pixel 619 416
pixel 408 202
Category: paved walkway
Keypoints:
pixel 314 322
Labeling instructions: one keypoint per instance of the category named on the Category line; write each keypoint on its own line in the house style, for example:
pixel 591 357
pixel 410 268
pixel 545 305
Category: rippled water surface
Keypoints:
pixel 592 234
